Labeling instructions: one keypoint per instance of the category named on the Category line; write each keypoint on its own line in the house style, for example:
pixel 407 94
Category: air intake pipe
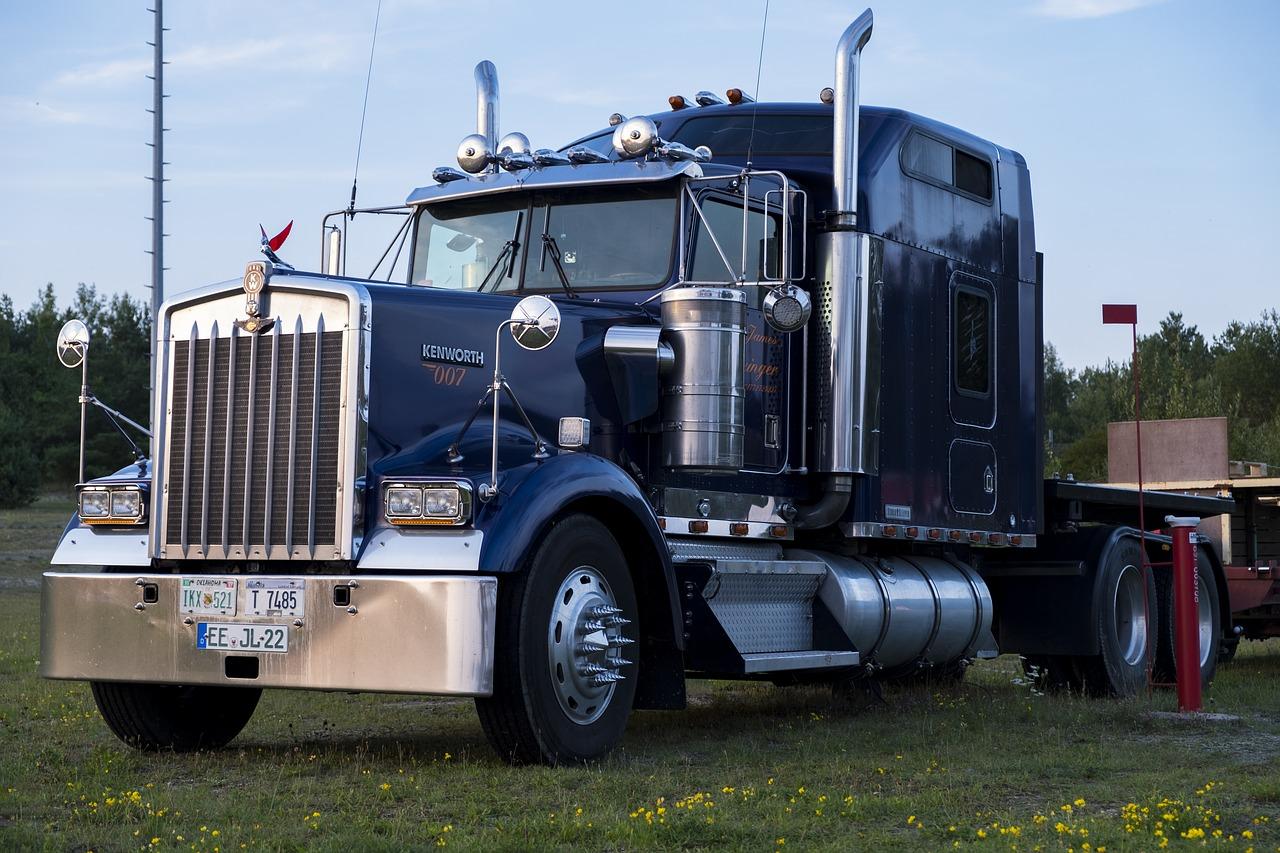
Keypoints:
pixel 487 108
pixel 844 410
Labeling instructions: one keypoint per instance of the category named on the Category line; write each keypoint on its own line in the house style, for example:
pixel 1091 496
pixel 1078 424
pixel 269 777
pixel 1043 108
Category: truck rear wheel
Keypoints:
pixel 1209 618
pixel 562 684
pixel 175 717
pixel 1126 616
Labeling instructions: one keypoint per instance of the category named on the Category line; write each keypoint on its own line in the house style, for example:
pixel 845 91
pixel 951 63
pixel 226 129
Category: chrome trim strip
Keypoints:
pixel 271 431
pixel 226 453
pixel 874 530
pixel 248 440
pixel 208 440
pixel 677 526
pixel 315 438
pixel 445 549
pixel 186 443
pixel 293 436
pixel 783 661
pixel 96 627
pixel 94 546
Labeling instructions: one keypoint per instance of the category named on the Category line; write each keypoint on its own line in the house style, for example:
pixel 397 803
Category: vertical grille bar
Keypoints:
pixel 271 435
pixel 208 440
pixel 186 438
pixel 248 437
pixel 226 465
pixel 293 436
pixel 315 435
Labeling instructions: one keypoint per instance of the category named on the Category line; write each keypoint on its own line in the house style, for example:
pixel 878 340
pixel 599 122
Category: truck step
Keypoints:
pixel 784 661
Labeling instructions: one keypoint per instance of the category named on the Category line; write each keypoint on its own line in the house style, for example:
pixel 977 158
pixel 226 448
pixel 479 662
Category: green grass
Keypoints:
pixel 985 764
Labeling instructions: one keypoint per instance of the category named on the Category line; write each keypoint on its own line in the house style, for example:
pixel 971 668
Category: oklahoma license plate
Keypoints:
pixel 212 596
pixel 231 637
pixel 274 597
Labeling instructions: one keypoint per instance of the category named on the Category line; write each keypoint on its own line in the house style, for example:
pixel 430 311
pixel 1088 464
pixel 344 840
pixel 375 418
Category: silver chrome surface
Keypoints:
pixel 304 300
pixel 535 322
pixel 1129 609
pixel 718 527
pixel 474 154
pixel 406 635
pixel 732 506
pixel 784 661
pixel 441 549
pixel 514 143
pixel 1204 615
pixel 845 144
pixel 848 356
pixel 93 546
pixel 902 612
pixel 703 405
pixel 708 99
pixel 787 308
pixel 487 105
pixel 635 137
pixel 690 550
pixel 586 645
pixel 73 343
pixel 765 606
pixel 877 530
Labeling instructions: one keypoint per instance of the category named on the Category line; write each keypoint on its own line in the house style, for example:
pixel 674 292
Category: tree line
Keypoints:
pixel 1184 375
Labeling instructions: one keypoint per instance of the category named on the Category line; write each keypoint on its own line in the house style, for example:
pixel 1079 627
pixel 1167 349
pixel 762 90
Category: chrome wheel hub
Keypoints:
pixel 585 645
pixel 1131 615
pixel 1204 614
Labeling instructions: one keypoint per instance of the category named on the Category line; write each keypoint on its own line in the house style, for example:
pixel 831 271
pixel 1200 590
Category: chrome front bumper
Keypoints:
pixel 399 634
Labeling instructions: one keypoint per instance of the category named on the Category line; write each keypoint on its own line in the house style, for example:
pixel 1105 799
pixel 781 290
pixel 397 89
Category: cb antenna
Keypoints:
pixel 351 207
pixel 764 27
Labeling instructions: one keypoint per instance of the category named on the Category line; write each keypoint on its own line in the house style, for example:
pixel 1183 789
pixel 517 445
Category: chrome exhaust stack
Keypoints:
pixel 846 364
pixel 487 108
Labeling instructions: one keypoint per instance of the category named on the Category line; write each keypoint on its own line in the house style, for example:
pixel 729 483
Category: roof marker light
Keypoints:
pixel 616 119
pixel 677 102
pixel 547 157
pixel 827 95
pixel 708 99
pixel 445 174
pixel 737 96
pixel 581 154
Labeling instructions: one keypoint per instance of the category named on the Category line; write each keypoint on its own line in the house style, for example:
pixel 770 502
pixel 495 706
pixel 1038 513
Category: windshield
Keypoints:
pixel 602 239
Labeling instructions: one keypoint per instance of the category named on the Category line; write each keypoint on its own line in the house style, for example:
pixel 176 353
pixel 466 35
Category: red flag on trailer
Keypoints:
pixel 1119 315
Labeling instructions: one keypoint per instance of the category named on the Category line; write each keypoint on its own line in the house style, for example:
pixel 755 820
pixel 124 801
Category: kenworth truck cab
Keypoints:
pixel 737 390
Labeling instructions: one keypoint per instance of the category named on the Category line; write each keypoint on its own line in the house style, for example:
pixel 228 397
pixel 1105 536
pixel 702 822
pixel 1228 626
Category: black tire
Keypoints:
pixel 1126 624
pixel 537 713
pixel 156 717
pixel 1166 669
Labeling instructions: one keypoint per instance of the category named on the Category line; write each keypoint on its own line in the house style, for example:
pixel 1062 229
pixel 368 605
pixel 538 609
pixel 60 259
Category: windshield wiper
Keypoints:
pixel 506 257
pixel 550 247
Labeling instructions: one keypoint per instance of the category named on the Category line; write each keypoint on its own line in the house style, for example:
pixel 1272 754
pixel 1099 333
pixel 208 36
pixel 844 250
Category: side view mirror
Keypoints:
pixel 535 322
pixel 73 343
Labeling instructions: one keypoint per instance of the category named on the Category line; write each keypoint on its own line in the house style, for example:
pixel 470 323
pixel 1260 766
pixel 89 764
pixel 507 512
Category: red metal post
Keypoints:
pixel 1186 612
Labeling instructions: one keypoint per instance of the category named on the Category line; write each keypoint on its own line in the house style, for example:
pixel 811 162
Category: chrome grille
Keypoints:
pixel 253 452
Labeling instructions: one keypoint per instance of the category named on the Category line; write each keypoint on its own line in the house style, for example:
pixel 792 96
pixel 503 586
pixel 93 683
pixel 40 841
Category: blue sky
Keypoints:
pixel 1150 127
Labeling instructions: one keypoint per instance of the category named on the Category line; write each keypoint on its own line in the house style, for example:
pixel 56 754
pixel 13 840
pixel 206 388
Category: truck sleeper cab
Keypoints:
pixel 643 411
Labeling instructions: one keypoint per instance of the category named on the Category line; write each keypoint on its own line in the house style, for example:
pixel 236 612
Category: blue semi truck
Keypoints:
pixel 735 390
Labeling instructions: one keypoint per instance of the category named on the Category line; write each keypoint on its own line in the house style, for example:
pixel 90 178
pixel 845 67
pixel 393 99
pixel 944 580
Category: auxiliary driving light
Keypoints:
pixel 111 504
pixel 433 503
pixel 787 308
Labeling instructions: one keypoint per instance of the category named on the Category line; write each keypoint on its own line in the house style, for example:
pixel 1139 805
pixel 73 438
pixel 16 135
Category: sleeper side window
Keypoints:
pixel 971 337
pixel 937 162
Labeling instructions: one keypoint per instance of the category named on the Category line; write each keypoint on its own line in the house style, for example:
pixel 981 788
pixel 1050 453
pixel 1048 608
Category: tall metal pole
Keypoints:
pixel 157 188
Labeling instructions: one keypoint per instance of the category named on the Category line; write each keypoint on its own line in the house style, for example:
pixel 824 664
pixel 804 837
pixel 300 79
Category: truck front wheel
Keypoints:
pixel 176 717
pixel 562 684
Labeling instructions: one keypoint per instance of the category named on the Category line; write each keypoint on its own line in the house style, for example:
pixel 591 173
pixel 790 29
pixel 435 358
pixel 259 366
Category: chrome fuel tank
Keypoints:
pixel 703 406
pixel 904 613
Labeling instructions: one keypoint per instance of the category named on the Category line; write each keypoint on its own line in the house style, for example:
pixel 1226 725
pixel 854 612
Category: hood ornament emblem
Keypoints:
pixel 256 275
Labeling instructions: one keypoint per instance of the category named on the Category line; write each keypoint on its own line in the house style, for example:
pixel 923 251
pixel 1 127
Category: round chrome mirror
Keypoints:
pixel 514 143
pixel 73 343
pixel 473 155
pixel 535 322
pixel 787 308
pixel 635 137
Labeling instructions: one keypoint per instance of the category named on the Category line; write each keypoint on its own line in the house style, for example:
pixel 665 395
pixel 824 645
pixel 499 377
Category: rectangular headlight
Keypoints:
pixel 431 503
pixel 112 504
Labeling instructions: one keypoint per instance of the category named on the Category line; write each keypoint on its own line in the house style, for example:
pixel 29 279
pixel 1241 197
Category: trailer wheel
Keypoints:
pixel 155 717
pixel 562 686
pixel 1126 617
pixel 1209 618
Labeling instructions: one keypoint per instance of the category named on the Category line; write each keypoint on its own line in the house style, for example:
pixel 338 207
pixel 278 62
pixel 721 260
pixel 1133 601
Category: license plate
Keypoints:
pixel 274 597
pixel 211 596
pixel 231 637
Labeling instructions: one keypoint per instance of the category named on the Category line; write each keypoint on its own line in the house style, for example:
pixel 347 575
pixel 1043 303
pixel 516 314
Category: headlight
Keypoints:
pixel 112 504
pixel 445 504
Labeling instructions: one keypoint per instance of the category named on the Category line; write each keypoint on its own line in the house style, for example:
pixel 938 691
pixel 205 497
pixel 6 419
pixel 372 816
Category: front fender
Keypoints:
pixel 577 482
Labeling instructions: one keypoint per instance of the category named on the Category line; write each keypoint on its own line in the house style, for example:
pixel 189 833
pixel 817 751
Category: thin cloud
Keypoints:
pixel 311 53
pixel 31 111
pixel 1078 9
